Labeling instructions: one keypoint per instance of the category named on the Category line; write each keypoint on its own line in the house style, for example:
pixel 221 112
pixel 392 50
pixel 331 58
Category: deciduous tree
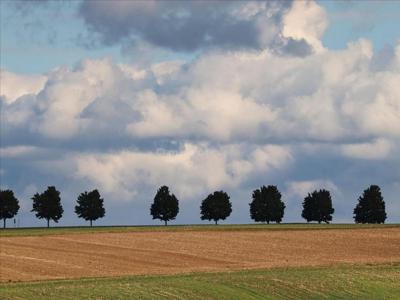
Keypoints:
pixel 370 207
pixel 267 205
pixel 90 206
pixel 165 206
pixel 317 206
pixel 9 205
pixel 216 207
pixel 47 205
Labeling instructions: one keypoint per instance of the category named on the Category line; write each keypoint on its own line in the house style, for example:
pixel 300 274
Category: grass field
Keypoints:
pixel 339 282
pixel 40 231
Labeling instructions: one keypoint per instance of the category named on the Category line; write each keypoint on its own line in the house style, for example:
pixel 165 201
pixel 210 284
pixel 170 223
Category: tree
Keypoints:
pixel 165 206
pixel 90 206
pixel 9 205
pixel 267 205
pixel 47 205
pixel 216 207
pixel 318 207
pixel 370 207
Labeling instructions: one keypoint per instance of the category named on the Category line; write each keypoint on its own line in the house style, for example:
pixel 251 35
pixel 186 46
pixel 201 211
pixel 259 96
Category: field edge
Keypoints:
pixel 41 231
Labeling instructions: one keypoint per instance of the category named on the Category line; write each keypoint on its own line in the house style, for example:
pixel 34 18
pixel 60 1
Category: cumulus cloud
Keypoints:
pixel 302 188
pixel 13 86
pixel 191 171
pixel 16 151
pixel 219 97
pixel 325 97
pixel 190 26
pixel 225 119
pixel 306 20
pixel 374 150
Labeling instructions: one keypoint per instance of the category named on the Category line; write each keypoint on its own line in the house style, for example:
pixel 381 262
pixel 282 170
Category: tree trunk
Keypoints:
pixel 48 223
pixel 268 222
pixel 216 222
pixel 319 222
pixel 90 223
pixel 4 224
pixel 165 222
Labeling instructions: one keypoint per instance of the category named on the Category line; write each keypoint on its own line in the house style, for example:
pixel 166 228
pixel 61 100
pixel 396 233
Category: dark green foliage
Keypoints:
pixel 318 207
pixel 47 205
pixel 370 207
pixel 90 206
pixel 165 206
pixel 9 205
pixel 216 207
pixel 267 205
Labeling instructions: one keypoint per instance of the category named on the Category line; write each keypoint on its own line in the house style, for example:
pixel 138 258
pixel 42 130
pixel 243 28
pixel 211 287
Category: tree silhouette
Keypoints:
pixel 216 207
pixel 90 206
pixel 47 205
pixel 370 207
pixel 165 206
pixel 318 207
pixel 9 205
pixel 267 205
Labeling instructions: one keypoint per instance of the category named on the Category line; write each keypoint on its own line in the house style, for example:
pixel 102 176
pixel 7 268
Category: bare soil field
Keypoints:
pixel 142 253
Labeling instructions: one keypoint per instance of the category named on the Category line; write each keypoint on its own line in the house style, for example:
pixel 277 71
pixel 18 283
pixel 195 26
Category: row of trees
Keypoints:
pixel 266 206
pixel 47 205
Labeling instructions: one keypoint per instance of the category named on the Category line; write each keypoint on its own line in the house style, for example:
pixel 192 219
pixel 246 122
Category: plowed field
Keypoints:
pixel 113 254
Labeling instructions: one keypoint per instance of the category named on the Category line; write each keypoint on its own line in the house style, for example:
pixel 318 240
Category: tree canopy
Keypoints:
pixel 317 206
pixel 9 205
pixel 47 205
pixel 165 206
pixel 267 205
pixel 90 206
pixel 370 207
pixel 216 207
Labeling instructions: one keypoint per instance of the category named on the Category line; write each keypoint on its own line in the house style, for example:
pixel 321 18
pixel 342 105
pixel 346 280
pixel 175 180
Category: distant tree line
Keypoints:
pixel 266 206
pixel 47 205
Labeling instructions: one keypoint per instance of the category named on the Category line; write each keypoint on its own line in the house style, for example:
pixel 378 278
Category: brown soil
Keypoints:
pixel 113 254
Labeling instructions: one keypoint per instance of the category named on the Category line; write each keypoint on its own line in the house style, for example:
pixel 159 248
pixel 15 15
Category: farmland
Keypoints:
pixel 248 260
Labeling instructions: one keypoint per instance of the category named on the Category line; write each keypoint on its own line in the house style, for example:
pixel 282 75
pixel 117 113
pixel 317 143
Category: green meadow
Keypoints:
pixel 338 282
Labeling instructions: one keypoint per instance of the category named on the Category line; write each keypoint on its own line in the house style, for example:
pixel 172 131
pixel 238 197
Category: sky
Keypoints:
pixel 126 96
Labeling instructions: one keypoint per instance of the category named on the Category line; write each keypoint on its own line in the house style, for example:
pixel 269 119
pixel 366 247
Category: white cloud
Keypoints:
pixel 302 188
pixel 17 151
pixel 239 115
pixel 190 171
pixel 223 97
pixel 374 150
pixel 306 20
pixel 13 86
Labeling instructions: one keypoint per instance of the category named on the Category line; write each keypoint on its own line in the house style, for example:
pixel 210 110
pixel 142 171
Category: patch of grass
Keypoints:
pixel 339 282
pixel 35 231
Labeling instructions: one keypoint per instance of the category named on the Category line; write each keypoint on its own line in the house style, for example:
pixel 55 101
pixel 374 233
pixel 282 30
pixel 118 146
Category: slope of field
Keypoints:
pixel 339 282
pixel 41 231
pixel 173 252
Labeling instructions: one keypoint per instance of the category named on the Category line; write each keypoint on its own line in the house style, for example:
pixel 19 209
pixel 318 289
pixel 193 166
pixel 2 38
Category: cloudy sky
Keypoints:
pixel 126 96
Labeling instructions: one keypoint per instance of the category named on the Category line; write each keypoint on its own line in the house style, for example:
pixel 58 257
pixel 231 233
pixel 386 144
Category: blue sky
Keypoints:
pixel 43 37
pixel 131 95
pixel 377 21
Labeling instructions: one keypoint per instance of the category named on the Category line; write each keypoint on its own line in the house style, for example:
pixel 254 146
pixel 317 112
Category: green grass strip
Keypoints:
pixel 339 282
